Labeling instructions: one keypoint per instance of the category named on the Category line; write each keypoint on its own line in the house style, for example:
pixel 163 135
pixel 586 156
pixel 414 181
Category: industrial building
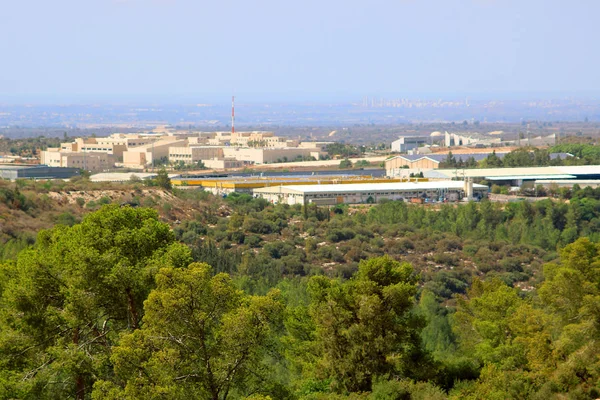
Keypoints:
pixel 394 166
pixel 406 143
pixel 193 154
pixel 470 139
pixel 125 176
pixel 226 185
pixel 270 155
pixel 397 166
pixel 517 176
pixel 95 161
pixel 567 183
pixel 373 192
pixel 141 156
pixel 13 172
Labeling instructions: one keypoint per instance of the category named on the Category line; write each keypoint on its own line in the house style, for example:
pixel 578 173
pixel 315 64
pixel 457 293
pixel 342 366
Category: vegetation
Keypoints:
pixel 242 299
pixel 346 163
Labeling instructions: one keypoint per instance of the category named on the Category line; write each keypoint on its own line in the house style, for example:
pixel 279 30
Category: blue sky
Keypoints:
pixel 172 50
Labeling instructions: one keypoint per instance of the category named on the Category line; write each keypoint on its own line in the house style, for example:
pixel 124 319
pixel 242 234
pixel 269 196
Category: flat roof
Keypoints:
pixel 17 167
pixel 522 172
pixel 124 176
pixel 508 177
pixel 368 187
pixel 580 182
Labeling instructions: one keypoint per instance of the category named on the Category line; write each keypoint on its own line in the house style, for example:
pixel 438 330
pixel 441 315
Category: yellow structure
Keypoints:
pixel 247 185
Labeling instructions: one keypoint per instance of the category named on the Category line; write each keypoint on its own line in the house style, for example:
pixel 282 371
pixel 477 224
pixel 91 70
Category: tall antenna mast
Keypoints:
pixel 232 115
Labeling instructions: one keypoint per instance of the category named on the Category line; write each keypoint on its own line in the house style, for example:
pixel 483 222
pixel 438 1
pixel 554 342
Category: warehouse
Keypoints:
pixel 227 185
pixel 395 166
pixel 518 176
pixel 372 192
pixel 13 172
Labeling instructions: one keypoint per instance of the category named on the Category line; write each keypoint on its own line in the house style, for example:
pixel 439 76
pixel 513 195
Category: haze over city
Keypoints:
pixel 182 50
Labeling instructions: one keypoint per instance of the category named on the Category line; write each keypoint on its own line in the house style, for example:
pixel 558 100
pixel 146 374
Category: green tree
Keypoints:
pixel 492 161
pixel 345 163
pixel 364 326
pixel 72 295
pixel 201 338
pixel 163 180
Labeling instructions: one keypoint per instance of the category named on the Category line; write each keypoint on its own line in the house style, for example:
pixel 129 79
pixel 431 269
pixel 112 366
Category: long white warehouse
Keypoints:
pixel 372 192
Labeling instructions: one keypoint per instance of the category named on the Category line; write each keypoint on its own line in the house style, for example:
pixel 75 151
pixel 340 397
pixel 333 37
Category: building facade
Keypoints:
pixel 406 143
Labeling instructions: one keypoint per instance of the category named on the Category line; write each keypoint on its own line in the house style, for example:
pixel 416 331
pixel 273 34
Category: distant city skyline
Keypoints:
pixel 174 51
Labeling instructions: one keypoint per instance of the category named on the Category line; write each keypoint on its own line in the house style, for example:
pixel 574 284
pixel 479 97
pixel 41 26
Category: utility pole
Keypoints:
pixel 232 116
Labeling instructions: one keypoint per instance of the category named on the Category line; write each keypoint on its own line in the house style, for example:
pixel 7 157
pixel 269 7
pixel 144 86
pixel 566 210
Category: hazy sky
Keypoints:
pixel 304 49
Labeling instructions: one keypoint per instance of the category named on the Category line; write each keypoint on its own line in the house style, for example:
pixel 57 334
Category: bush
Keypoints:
pixel 104 200
pixel 252 240
pixel 345 163
pixel 66 218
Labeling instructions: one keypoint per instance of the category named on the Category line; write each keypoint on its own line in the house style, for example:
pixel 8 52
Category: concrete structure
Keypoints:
pixel 96 161
pixel 269 155
pixel 371 192
pixel 191 155
pixel 13 172
pixel 470 139
pixel 95 145
pixel 406 143
pixel 535 141
pixel 222 163
pixel 141 156
pixel 125 176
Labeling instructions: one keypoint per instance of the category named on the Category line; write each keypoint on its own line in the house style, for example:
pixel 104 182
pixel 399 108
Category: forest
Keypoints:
pixel 194 296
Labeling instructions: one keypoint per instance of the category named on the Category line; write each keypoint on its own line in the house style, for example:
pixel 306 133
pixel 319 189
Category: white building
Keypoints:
pixel 406 143
pixel 372 192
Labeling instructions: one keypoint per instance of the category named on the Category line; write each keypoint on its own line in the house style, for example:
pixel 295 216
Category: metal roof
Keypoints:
pixel 367 187
pixel 13 167
pixel 124 176
pixel 580 182
pixel 522 172
pixel 516 177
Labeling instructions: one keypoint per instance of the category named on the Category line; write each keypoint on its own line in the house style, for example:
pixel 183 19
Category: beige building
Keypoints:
pixel 141 156
pixel 95 145
pixel 87 161
pixel 193 154
pixel 128 140
pixel 269 155
pixel 223 163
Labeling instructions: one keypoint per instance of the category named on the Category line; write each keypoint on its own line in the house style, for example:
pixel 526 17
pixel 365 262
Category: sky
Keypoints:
pixel 201 50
